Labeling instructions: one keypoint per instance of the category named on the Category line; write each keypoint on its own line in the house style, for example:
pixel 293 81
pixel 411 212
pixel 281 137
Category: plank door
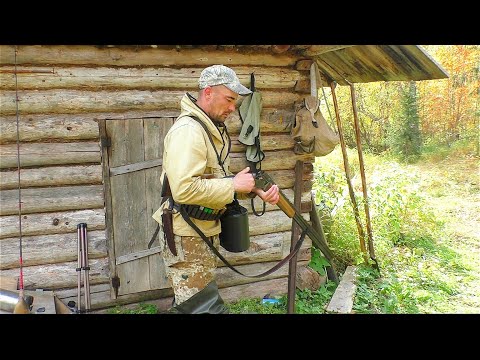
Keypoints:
pixel 134 158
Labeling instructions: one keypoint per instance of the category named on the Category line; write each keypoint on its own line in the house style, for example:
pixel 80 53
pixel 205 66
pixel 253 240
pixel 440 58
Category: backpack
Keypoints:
pixel 310 130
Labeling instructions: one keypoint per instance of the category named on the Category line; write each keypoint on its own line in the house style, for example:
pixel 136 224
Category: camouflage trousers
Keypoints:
pixel 193 268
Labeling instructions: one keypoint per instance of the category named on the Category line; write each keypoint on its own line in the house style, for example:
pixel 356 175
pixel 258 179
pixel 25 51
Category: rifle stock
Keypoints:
pixel 264 181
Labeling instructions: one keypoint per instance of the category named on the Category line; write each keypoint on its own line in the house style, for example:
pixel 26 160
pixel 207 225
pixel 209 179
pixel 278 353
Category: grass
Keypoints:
pixel 425 219
pixel 141 308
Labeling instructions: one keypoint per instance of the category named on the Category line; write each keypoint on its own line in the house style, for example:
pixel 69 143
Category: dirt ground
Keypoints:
pixel 453 189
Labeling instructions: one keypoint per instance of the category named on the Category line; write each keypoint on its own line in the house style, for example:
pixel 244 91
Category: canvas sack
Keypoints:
pixel 310 131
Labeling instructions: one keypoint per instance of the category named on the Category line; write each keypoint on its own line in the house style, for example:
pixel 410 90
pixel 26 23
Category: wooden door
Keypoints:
pixel 133 162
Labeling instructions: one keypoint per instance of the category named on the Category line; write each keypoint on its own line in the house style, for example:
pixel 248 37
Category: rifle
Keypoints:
pixel 264 181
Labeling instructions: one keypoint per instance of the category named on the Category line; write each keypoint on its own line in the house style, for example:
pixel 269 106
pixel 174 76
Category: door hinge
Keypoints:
pixel 116 284
pixel 105 141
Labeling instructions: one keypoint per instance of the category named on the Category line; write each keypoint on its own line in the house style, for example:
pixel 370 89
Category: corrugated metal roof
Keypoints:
pixel 369 63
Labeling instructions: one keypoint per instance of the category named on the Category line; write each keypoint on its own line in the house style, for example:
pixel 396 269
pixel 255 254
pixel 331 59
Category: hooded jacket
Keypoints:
pixel 194 173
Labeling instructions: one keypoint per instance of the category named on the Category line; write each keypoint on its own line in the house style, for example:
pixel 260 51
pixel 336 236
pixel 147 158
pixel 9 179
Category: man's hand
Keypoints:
pixel 243 182
pixel 271 196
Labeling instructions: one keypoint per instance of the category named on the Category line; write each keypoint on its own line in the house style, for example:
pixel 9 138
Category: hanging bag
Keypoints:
pixel 310 131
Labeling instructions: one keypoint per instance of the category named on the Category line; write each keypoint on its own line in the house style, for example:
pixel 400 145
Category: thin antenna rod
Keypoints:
pixel 19 187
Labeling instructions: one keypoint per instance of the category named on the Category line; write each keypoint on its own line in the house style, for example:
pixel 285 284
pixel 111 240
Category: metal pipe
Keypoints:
pixel 79 268
pixel 9 300
pixel 86 268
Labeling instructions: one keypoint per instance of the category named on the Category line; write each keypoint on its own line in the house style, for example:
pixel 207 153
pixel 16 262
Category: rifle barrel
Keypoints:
pixel 287 207
pixel 312 234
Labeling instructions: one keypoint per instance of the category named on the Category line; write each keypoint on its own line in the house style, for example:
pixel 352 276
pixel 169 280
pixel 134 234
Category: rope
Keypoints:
pixel 332 123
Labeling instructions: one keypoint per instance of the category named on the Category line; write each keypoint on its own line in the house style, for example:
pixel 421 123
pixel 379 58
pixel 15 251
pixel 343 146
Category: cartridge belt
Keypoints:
pixel 202 212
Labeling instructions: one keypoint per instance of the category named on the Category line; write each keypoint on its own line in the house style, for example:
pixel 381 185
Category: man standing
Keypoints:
pixel 196 168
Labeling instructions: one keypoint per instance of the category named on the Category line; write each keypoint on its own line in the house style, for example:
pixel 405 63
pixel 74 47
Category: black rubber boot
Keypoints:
pixel 206 301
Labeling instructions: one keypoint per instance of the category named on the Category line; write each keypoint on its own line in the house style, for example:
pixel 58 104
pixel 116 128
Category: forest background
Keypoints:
pixel 426 113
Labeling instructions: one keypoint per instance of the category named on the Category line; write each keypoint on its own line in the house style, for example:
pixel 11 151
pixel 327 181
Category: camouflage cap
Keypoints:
pixel 222 75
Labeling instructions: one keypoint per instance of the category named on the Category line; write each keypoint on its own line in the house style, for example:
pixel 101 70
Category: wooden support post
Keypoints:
pixel 362 174
pixel 361 233
pixel 292 265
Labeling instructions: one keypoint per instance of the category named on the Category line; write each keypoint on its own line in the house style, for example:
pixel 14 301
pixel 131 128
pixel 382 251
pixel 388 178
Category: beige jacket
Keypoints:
pixel 188 158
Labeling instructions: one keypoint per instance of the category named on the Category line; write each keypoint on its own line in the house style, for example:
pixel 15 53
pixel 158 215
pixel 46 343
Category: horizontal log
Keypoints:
pixel 62 247
pixel 136 78
pixel 42 154
pixel 254 290
pixel 271 222
pixel 133 55
pixel 40 127
pixel 264 248
pixel 50 249
pixel 268 142
pixel 68 127
pixel 43 127
pixel 38 200
pixel 60 275
pixel 102 303
pixel 316 50
pixel 101 297
pixel 79 101
pixel 271 120
pixel 51 223
pixel 227 277
pixel 63 294
pixel 52 176
pixel 274 160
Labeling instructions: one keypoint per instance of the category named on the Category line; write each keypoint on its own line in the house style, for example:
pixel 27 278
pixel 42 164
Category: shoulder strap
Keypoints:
pixel 210 245
pixel 220 161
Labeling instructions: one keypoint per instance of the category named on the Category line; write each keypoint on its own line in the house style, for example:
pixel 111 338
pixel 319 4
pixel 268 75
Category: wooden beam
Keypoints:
pixel 274 160
pixel 316 50
pixel 133 55
pixel 42 154
pixel 64 274
pixel 50 249
pixel 39 200
pixel 51 223
pixel 140 78
pixel 52 176
pixel 82 101
pixel 51 127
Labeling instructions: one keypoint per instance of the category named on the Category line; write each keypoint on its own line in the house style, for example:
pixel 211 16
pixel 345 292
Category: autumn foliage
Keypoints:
pixel 448 109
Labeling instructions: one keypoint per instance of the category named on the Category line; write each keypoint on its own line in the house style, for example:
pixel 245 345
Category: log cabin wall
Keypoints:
pixel 66 93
